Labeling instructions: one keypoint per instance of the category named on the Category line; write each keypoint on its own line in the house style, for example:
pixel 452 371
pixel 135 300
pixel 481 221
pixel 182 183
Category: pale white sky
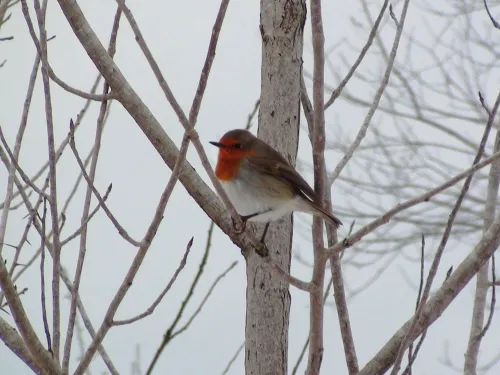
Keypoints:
pixel 178 35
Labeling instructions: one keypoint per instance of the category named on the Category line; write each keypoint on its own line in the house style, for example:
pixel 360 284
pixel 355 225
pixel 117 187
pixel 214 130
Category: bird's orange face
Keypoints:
pixel 231 152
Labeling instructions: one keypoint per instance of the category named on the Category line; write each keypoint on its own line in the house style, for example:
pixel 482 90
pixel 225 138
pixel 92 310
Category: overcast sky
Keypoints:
pixel 178 32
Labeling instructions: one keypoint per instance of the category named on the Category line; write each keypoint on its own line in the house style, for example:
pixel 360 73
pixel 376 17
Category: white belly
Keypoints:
pixel 247 201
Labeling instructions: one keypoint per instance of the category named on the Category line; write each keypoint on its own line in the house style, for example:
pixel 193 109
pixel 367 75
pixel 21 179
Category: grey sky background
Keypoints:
pixel 178 35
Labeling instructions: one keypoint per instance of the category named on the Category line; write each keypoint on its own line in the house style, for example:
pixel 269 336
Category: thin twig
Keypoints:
pixel 495 23
pixel 440 300
pixel 17 148
pixel 493 299
pixel 168 334
pixel 354 238
pixel 77 232
pixel 42 280
pixel 252 115
pixel 336 93
pixel 81 342
pixel 111 217
pixel 65 142
pixel 385 80
pixel 316 311
pixel 306 343
pixel 18 168
pixel 155 304
pixel 56 310
pixel 477 330
pixel 10 180
pixel 51 74
pixel 233 359
pixel 151 127
pixel 22 322
pixel 411 355
pixel 189 124
pixel 88 197
pixel 205 299
pixel 285 276
pixel 136 264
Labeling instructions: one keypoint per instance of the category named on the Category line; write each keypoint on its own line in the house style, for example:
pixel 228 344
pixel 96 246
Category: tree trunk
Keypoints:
pixel 268 298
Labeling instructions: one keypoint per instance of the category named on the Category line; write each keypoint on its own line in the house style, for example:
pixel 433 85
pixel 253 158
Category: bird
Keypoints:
pixel 261 184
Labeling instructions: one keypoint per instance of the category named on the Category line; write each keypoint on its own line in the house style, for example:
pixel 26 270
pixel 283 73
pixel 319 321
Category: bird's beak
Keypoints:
pixel 218 144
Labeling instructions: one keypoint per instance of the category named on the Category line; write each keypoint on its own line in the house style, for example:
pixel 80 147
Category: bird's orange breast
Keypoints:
pixel 227 169
pixel 229 162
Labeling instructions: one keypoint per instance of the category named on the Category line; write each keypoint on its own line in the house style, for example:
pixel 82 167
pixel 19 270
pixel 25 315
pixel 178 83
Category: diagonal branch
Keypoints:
pixel 439 302
pixel 442 245
pixel 193 183
pixel 354 238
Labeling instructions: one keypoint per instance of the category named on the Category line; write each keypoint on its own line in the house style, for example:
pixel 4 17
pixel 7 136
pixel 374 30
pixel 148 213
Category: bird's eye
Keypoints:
pixel 237 145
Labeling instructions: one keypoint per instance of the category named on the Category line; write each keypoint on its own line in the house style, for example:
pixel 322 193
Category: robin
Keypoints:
pixel 261 184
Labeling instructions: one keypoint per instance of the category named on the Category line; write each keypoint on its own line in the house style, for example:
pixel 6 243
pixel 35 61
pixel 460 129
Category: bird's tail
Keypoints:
pixel 317 210
pixel 330 217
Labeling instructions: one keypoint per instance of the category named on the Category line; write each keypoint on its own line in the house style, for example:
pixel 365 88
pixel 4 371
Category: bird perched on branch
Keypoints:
pixel 261 184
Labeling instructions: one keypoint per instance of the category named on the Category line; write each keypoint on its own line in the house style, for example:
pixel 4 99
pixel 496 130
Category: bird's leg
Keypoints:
pixel 247 217
pixel 261 248
pixel 235 227
pixel 244 220
pixel 264 234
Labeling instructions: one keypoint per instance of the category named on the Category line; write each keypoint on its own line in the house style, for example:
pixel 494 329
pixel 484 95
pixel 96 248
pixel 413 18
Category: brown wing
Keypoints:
pixel 283 171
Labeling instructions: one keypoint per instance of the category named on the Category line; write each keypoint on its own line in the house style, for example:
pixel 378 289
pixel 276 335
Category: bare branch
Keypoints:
pixel 493 299
pixel 306 343
pixel 42 280
pixel 50 72
pixel 233 358
pixel 88 197
pixel 167 337
pixel 316 313
pixel 477 331
pixel 440 300
pixel 134 268
pixel 385 80
pixel 252 115
pixel 157 301
pixel 413 355
pixel 56 311
pixel 15 343
pixel 23 325
pixel 195 186
pixel 437 257
pixel 285 276
pixel 18 168
pixel 354 238
pixel 111 217
pixel 78 232
pixel 193 114
pixel 336 93
pixel 493 21
pixel 198 310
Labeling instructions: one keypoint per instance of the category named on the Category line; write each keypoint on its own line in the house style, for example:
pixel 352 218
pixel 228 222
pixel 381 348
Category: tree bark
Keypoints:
pixel 268 297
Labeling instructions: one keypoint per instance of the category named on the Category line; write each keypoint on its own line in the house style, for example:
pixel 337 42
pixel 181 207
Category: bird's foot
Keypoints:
pixel 244 220
pixel 236 228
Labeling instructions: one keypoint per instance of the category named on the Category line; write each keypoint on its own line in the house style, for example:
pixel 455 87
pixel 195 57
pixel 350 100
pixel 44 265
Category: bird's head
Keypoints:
pixel 236 144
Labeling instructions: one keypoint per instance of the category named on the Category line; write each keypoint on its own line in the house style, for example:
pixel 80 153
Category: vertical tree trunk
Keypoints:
pixel 268 298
